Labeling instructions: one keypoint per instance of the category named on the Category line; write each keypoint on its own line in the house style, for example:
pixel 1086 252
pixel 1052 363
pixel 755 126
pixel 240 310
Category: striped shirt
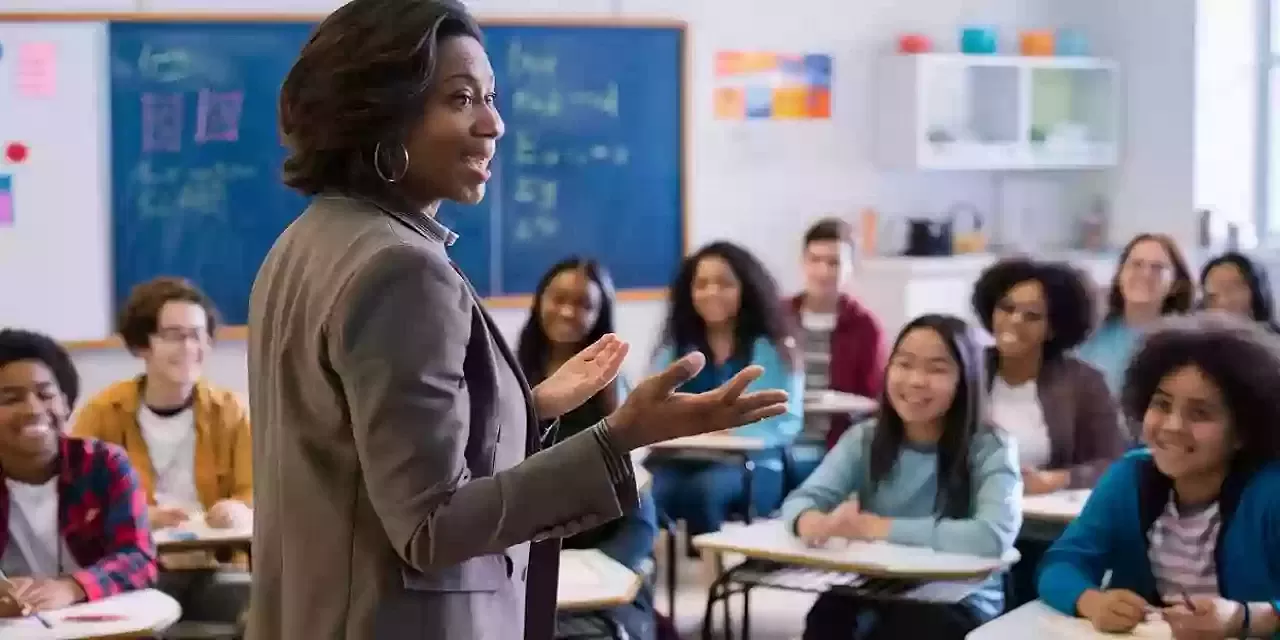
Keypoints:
pixel 816 347
pixel 1181 544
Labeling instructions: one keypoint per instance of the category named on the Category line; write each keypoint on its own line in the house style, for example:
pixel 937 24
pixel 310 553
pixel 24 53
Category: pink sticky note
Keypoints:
pixel 35 69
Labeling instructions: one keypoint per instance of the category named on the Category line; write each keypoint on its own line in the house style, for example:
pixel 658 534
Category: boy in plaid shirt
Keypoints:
pixel 75 518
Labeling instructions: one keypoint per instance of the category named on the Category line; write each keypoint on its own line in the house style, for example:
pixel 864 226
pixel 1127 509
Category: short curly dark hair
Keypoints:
pixel 362 81
pixel 140 317
pixel 1239 355
pixel 1067 291
pixel 17 345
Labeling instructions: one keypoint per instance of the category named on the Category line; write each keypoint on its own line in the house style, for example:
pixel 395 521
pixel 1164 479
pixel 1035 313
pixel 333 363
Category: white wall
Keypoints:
pixel 760 184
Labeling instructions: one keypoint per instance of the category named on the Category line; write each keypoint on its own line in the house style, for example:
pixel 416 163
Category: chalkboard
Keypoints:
pixel 592 161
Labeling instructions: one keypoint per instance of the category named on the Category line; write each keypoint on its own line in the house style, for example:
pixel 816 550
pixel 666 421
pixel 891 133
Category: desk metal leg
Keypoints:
pixel 749 480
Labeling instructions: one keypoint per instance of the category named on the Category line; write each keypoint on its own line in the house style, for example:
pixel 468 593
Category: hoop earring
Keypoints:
pixel 377 165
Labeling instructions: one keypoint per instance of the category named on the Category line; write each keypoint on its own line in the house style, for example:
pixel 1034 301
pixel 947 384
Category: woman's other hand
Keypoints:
pixel 583 376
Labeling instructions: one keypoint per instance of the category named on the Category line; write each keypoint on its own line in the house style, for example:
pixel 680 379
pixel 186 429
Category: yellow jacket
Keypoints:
pixel 224 453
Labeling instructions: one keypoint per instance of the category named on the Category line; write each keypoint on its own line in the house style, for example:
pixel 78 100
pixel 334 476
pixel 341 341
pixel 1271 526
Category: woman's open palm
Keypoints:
pixel 583 376
pixel 655 412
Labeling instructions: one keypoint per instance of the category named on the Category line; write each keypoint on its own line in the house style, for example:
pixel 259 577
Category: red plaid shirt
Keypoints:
pixel 102 516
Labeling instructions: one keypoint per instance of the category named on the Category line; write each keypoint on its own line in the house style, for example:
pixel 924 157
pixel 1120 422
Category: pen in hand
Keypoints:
pixel 26 609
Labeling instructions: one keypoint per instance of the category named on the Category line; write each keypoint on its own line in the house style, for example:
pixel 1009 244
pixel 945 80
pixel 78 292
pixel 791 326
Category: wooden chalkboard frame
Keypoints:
pixel 237 333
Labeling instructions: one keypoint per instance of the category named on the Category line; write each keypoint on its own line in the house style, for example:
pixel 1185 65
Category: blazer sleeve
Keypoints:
pixel 1099 438
pixel 410 410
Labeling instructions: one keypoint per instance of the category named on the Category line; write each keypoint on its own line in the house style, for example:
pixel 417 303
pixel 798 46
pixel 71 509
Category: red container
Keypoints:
pixel 914 43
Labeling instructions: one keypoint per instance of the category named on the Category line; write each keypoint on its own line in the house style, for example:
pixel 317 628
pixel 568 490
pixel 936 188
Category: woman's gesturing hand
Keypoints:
pixel 655 412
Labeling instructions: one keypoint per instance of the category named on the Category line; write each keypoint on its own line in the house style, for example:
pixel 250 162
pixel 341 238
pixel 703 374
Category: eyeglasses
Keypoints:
pixel 177 335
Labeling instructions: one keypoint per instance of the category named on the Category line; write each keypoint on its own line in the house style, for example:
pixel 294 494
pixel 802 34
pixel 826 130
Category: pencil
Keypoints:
pixel 27 610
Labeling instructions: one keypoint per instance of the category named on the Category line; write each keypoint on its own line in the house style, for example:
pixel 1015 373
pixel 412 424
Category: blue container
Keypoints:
pixel 1070 42
pixel 978 40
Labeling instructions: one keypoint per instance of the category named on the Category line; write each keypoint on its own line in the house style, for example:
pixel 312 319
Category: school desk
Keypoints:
pixel 592 581
pixel 828 402
pixel 869 569
pixel 196 535
pixel 1059 507
pixel 137 614
pixel 1037 620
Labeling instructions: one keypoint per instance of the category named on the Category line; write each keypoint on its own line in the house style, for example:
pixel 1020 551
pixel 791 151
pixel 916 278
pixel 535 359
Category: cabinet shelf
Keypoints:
pixel 955 112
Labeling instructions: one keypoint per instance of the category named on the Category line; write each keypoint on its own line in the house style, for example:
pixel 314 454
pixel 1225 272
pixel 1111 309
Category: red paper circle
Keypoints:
pixel 15 152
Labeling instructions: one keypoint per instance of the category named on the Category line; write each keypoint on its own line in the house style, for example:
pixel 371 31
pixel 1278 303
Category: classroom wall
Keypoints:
pixel 758 183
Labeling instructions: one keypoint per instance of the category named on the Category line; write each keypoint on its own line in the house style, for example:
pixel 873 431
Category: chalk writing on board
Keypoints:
pixel 178 191
pixel 521 62
pixel 218 116
pixel 162 122
pixel 529 229
pixel 543 194
pixel 605 101
pixel 528 153
pixel 549 105
pixel 165 65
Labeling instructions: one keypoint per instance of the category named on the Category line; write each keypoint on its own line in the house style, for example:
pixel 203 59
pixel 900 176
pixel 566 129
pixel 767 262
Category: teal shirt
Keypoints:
pixel 908 495
pixel 778 374
pixel 1109 350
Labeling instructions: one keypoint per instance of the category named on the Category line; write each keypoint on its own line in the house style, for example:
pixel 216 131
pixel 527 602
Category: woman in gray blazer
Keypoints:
pixel 399 468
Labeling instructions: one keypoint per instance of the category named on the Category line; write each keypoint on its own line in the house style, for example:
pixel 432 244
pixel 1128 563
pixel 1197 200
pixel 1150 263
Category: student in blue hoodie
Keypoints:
pixel 1190 525
pixel 725 304
pixel 927 472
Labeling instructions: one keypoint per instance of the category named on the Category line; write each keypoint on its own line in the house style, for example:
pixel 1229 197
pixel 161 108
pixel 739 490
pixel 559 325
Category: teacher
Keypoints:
pixel 399 472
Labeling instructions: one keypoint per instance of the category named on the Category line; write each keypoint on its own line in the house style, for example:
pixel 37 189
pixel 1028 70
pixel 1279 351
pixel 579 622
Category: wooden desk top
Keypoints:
pixel 591 580
pixel 713 442
pixel 141 615
pixel 195 535
pixel 835 402
pixel 1038 620
pixel 1057 507
pixel 769 540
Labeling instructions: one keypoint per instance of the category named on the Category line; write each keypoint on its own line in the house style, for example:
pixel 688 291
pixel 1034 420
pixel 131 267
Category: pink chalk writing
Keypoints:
pixel 218 116
pixel 161 122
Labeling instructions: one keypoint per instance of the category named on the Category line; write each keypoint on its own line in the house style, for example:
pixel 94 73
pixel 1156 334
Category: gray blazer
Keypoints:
pixel 395 486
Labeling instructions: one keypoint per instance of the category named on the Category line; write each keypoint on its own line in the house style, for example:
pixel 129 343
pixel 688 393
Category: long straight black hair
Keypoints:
pixel 534 349
pixel 961 423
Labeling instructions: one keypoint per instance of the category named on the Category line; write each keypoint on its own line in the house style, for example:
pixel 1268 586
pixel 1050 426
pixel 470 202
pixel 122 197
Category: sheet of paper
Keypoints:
pixel 36 69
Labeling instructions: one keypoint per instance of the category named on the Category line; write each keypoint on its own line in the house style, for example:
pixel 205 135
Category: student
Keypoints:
pixel 1234 283
pixel 726 305
pixel 928 473
pixel 1190 521
pixel 1152 280
pixel 573 307
pixel 76 516
pixel 189 439
pixel 841 341
pixel 1056 407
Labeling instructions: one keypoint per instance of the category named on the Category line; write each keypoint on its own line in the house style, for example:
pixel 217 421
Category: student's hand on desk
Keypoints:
pixel 165 517
pixel 1113 610
pixel 48 594
pixel 654 412
pixel 229 514
pixel 1036 482
pixel 849 521
pixel 584 375
pixel 1207 618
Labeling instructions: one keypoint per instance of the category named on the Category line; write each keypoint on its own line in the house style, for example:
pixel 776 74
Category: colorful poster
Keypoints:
pixel 36 72
pixel 6 201
pixel 772 86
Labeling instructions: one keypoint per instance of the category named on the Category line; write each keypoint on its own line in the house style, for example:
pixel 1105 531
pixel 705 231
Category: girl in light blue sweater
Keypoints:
pixel 925 473
pixel 726 305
